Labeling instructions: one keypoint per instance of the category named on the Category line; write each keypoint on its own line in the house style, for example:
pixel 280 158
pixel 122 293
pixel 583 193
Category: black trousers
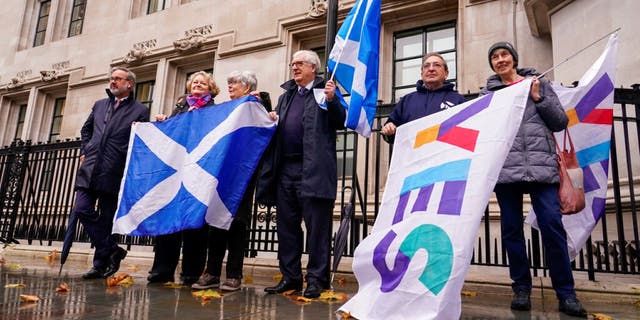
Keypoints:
pixel 97 224
pixel 194 253
pixel 317 216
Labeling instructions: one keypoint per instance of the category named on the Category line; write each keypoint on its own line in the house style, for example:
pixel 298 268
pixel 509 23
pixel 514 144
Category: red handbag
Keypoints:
pixel 571 189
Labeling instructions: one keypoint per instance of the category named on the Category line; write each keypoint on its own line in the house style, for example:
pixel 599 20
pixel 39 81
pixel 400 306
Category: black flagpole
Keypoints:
pixel 332 27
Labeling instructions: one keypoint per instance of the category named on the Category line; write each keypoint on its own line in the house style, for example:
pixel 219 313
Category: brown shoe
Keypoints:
pixel 231 284
pixel 206 281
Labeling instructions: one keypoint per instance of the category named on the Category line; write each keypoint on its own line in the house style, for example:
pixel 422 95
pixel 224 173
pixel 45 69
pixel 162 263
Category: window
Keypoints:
pixel 22 112
pixel 410 46
pixel 77 17
pixel 56 121
pixel 43 20
pixel 155 6
pixel 144 92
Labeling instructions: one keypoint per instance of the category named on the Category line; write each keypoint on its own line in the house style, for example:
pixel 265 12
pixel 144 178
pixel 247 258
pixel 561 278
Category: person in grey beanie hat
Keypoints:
pixel 507 46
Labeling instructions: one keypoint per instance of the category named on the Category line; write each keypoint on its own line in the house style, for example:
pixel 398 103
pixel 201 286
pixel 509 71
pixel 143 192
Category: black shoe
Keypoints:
pixel 189 280
pixel 94 273
pixel 313 290
pixel 521 300
pixel 572 307
pixel 114 262
pixel 159 278
pixel 284 285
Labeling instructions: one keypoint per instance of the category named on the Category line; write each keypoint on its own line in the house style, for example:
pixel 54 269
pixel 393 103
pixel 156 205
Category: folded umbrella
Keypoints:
pixel 68 239
pixel 340 241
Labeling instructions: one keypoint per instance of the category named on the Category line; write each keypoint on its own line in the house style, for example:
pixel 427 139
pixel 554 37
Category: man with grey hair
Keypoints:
pixel 299 175
pixel 105 138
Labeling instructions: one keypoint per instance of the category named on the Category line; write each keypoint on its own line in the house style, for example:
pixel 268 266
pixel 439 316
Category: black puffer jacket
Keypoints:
pixel 533 157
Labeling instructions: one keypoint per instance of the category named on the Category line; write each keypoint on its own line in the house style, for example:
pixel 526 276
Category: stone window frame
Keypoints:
pixel 58 23
pixel 77 18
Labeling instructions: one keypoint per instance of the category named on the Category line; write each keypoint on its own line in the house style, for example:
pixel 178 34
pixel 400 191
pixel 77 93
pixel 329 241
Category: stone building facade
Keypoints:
pixel 56 54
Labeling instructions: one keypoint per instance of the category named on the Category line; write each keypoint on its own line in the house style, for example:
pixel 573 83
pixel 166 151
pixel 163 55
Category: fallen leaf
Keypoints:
pixel 467 293
pixel 302 299
pixel 120 279
pixel 289 292
pixel 28 298
pixel 63 287
pixel 342 281
pixel 51 256
pixel 206 295
pixel 14 266
pixel 16 285
pixel 345 315
pixel 133 267
pixel 601 316
pixel 2 261
pixel 277 277
pixel 332 296
pixel 248 279
pixel 171 284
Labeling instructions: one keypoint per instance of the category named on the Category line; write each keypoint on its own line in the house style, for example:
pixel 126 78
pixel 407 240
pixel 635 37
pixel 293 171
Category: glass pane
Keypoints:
pixel 153 6
pixel 409 46
pixel 441 40
pixel 60 103
pixel 18 131
pixel 75 28
pixel 44 8
pixel 451 63
pixel 42 24
pixel 78 13
pixel 407 72
pixel 401 92
pixel 77 2
pixel 55 126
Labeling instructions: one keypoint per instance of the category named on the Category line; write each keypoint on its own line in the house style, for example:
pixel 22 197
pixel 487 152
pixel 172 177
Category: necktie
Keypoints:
pixel 111 109
pixel 302 91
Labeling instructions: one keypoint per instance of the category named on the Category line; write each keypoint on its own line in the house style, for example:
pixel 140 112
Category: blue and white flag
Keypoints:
pixel 442 173
pixel 192 168
pixel 590 109
pixel 353 62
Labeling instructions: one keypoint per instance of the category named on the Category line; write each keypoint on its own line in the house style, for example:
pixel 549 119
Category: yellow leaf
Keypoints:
pixel 15 285
pixel 277 277
pixel 133 267
pixel 28 298
pixel 302 299
pixel 63 287
pixel 331 296
pixel 467 293
pixel 248 279
pixel 345 315
pixel 171 284
pixel 14 266
pixel 289 292
pixel 206 294
pixel 120 279
pixel 601 316
pixel 51 256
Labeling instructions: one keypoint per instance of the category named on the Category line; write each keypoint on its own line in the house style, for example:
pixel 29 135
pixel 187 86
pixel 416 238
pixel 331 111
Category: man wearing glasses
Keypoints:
pixel 299 175
pixel 432 95
pixel 105 139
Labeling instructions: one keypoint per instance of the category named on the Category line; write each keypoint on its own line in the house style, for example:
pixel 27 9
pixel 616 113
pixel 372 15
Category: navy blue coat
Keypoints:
pixel 319 163
pixel 105 144
pixel 422 103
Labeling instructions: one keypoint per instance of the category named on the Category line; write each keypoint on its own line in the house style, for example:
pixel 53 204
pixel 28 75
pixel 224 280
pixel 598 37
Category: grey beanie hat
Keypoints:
pixel 507 46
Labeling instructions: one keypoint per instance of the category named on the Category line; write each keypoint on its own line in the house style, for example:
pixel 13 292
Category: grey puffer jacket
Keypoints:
pixel 533 156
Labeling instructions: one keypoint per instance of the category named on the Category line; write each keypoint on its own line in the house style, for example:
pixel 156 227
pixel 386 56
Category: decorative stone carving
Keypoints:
pixel 15 83
pixel 318 9
pixel 194 38
pixel 139 51
pixel 48 75
pixel 62 65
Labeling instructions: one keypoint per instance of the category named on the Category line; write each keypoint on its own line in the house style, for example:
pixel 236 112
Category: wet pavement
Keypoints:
pixel 483 298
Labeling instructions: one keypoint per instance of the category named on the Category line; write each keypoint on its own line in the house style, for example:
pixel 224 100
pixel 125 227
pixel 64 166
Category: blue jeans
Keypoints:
pixel 545 202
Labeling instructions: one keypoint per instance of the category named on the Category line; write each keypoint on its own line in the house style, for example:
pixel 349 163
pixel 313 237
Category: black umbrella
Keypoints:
pixel 340 241
pixel 68 238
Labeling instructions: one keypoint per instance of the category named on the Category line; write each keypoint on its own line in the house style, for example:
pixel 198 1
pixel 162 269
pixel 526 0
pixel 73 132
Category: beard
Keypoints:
pixel 116 91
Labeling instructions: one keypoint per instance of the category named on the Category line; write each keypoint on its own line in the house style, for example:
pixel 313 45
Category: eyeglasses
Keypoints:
pixel 435 65
pixel 117 79
pixel 298 64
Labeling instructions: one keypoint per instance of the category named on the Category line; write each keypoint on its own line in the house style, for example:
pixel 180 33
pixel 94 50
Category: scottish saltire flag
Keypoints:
pixel 354 63
pixel 590 110
pixel 442 173
pixel 192 168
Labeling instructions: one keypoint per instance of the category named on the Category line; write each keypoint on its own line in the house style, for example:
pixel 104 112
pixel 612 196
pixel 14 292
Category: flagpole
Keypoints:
pixel 346 38
pixel 578 52
pixel 332 27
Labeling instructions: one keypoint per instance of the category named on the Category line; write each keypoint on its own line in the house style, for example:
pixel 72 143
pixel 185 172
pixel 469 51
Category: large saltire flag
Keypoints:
pixel 590 109
pixel 442 173
pixel 192 168
pixel 353 61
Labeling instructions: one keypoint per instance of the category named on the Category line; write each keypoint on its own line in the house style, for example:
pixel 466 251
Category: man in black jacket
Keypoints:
pixel 105 140
pixel 299 175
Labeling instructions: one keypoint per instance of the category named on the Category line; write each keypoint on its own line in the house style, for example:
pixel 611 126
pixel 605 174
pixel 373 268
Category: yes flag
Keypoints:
pixel 590 109
pixel 442 173
pixel 353 62
pixel 191 168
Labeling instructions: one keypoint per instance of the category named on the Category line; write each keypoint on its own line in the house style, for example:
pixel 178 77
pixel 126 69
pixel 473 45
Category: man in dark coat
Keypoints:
pixel 299 175
pixel 105 140
pixel 432 95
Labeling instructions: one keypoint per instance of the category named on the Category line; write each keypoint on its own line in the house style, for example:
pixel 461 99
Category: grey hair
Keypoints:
pixel 247 78
pixel 130 75
pixel 309 57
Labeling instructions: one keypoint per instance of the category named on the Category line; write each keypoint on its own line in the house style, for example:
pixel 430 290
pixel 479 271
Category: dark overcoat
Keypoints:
pixel 105 140
pixel 319 161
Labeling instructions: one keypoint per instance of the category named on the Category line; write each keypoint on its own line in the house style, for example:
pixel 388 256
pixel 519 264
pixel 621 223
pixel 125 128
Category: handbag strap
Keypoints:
pixel 567 136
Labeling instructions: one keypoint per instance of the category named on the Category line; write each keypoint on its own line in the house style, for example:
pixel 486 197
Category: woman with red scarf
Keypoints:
pixel 201 90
